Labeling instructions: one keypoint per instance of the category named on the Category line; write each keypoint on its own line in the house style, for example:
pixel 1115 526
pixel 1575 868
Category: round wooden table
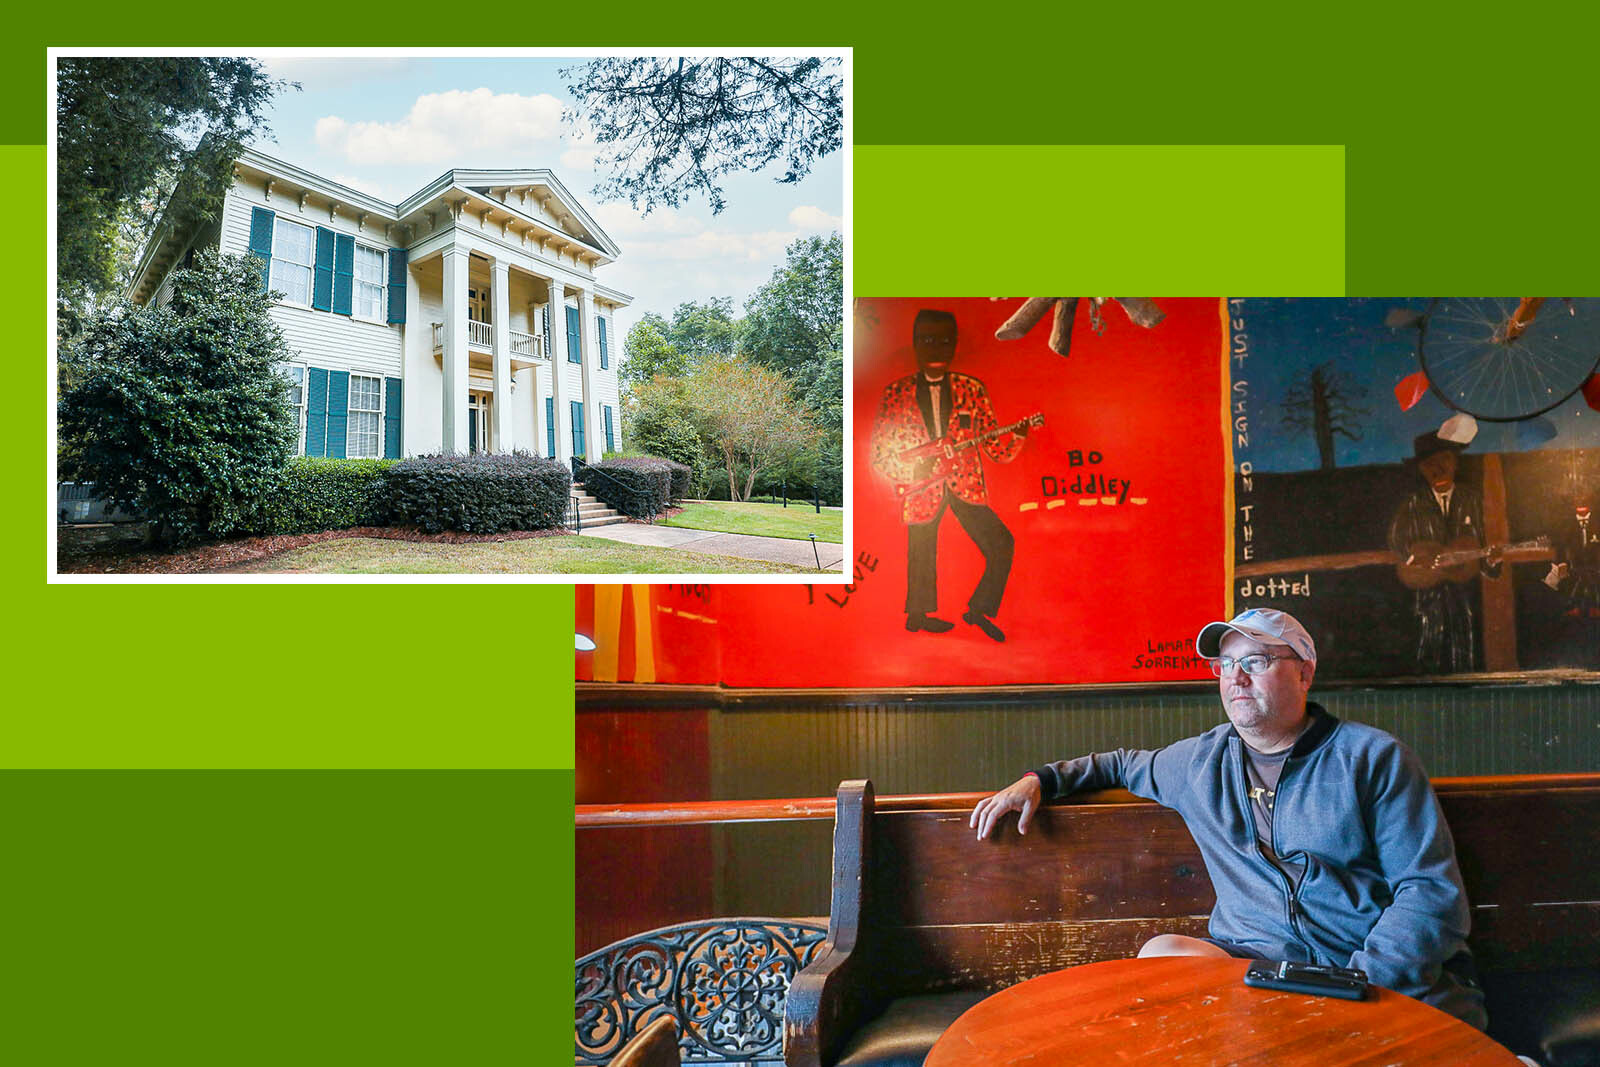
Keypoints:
pixel 1193 1010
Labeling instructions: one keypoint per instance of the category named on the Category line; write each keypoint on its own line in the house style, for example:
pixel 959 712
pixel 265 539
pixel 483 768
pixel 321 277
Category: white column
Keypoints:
pixel 418 345
pixel 538 407
pixel 594 440
pixel 500 302
pixel 455 350
pixel 558 369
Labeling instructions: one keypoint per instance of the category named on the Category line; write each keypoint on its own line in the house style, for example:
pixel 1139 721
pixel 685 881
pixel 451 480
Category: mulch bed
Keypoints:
pixel 228 555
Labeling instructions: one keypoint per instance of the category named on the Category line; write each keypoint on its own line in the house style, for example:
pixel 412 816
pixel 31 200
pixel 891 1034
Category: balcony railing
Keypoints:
pixel 527 345
pixel 480 335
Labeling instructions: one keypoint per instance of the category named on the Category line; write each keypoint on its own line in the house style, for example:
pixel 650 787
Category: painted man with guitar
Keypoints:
pixel 930 430
pixel 1438 536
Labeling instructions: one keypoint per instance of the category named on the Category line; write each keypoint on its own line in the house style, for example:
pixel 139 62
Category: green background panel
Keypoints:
pixel 985 220
pixel 285 917
pixel 227 676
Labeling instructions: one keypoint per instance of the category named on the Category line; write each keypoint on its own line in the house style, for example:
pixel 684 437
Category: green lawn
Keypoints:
pixel 763 520
pixel 541 555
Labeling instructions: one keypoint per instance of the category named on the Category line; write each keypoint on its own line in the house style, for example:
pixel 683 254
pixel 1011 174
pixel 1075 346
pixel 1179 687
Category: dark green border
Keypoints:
pixel 285 917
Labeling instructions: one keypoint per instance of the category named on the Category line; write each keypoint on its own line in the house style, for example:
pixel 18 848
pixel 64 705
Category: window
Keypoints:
pixel 297 396
pixel 369 283
pixel 365 439
pixel 292 258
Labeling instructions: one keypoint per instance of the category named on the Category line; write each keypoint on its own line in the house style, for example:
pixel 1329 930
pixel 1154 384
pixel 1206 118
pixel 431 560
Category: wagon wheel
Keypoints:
pixel 1503 359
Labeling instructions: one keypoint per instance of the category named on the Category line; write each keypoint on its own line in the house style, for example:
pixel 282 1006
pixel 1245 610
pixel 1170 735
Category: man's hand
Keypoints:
pixel 1023 796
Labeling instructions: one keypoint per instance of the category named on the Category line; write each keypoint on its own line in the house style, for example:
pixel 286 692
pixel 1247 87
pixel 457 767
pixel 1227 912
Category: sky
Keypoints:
pixel 388 125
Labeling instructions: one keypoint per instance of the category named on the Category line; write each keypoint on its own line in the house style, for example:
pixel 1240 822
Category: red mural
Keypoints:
pixel 1020 516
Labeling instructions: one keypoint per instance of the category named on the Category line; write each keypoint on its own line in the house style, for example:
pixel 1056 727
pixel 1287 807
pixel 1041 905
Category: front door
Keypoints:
pixel 477 304
pixel 478 421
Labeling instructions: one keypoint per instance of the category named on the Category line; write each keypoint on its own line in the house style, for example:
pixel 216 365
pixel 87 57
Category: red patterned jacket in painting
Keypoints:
pixel 900 425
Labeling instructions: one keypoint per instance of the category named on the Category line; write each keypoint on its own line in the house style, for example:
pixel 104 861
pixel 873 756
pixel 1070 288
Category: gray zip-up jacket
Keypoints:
pixel 1381 889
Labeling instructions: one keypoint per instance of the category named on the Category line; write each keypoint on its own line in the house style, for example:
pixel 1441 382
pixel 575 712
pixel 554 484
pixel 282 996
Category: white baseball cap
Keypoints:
pixel 1267 625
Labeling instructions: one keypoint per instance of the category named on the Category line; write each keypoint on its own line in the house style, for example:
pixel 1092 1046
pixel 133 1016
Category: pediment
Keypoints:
pixel 539 195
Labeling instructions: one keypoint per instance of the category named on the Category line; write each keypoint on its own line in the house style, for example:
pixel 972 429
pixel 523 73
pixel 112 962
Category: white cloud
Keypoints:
pixel 579 158
pixel 759 246
pixel 368 186
pixel 441 126
pixel 580 151
pixel 814 219
pixel 620 219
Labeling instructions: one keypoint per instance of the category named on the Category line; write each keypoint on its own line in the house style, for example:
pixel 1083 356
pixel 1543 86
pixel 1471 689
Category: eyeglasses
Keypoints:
pixel 1255 663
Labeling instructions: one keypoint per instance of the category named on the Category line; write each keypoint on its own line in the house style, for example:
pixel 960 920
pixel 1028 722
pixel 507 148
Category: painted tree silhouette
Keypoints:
pixel 1325 404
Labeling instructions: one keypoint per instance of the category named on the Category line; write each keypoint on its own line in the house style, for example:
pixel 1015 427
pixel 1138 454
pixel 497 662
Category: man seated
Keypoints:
pixel 1360 871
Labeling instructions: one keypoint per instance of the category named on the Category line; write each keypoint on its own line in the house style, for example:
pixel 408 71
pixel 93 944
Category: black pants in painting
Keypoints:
pixel 986 531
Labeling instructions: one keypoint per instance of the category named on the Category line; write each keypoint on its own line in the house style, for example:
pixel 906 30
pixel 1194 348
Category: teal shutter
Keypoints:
pixel 397 285
pixel 550 422
pixel 574 341
pixel 338 411
pixel 604 360
pixel 391 417
pixel 344 272
pixel 577 429
pixel 261 220
pixel 322 277
pixel 611 442
pixel 316 412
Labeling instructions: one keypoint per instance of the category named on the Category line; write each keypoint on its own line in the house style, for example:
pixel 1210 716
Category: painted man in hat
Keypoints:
pixel 936 404
pixel 1323 839
pixel 1442 514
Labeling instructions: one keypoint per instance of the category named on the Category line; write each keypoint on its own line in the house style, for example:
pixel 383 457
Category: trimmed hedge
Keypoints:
pixel 681 477
pixel 481 493
pixel 638 486
pixel 309 495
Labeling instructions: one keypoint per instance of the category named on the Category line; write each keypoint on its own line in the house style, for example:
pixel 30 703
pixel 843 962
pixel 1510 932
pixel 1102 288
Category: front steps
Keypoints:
pixel 592 511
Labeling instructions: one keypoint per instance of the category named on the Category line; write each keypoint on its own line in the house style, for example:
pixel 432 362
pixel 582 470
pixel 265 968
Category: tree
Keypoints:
pixel 670 127
pixel 179 412
pixel 750 416
pixel 658 421
pixel 825 398
pixel 1325 405
pixel 133 132
pixel 647 354
pixel 709 329
pixel 791 320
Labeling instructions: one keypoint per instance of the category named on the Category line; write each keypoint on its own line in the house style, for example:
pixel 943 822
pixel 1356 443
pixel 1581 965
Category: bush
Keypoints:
pixel 178 413
pixel 323 494
pixel 482 493
pixel 681 476
pixel 638 486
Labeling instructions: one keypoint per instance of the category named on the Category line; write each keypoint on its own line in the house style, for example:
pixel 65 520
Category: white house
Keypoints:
pixel 427 325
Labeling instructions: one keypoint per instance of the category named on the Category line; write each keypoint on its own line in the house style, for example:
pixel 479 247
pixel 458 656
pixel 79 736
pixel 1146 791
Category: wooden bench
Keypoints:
pixel 926 920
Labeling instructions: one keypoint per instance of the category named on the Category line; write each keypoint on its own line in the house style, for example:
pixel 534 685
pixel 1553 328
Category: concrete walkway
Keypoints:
pixel 744 546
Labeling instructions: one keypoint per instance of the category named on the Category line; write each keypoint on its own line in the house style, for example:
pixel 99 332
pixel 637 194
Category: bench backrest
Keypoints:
pixel 932 908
